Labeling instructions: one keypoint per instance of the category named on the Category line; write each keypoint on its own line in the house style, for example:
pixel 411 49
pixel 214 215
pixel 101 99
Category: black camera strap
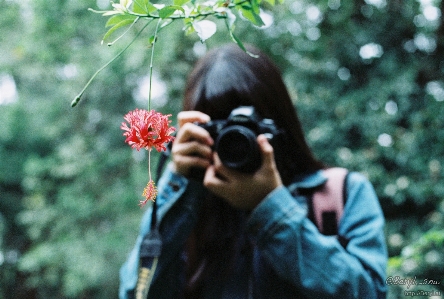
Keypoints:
pixel 151 246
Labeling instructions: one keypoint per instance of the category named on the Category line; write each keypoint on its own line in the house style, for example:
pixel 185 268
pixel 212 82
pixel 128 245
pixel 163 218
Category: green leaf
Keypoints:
pixel 188 26
pixel 167 11
pixel 116 19
pixel 180 2
pixel 273 2
pixel 249 13
pixel 238 41
pixel 144 7
pixel 250 4
pixel 151 40
pixel 229 16
pixel 140 6
pixel 119 25
pixel 255 5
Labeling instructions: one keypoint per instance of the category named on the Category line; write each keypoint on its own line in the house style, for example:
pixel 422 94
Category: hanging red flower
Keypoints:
pixel 147 129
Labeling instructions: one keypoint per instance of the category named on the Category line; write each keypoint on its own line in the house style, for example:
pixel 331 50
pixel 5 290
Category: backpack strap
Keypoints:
pixel 328 201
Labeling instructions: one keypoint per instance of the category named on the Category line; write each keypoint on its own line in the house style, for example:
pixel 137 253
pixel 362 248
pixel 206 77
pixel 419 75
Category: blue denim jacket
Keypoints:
pixel 291 258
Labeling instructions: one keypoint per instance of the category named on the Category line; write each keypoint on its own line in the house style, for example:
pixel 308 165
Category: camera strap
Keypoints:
pixel 151 246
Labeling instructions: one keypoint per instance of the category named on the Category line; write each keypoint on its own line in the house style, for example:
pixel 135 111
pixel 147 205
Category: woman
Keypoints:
pixel 233 234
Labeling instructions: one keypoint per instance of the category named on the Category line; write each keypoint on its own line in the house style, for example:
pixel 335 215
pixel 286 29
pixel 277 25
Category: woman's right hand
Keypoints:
pixel 192 145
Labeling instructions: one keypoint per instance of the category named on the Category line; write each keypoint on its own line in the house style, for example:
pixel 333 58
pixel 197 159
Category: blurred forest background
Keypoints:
pixel 365 75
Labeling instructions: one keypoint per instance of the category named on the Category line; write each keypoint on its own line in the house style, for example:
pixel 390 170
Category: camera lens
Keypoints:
pixel 237 148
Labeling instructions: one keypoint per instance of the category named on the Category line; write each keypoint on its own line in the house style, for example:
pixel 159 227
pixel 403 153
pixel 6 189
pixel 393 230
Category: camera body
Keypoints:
pixel 235 138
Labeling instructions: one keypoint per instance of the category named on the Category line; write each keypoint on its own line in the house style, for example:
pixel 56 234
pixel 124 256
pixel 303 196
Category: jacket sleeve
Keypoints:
pixel 319 265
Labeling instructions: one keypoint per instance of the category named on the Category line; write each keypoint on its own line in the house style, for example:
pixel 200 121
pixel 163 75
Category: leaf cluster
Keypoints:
pixel 194 14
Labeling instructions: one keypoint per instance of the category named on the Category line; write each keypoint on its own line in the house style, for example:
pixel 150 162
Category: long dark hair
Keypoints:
pixel 227 77
pixel 224 79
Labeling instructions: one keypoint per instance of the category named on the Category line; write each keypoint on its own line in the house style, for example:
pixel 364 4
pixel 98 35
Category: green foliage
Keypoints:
pixel 366 80
pixel 194 14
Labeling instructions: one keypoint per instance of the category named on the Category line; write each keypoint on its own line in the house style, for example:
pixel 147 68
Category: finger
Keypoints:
pixel 184 117
pixel 220 169
pixel 192 132
pixel 192 148
pixel 212 181
pixel 188 162
pixel 266 150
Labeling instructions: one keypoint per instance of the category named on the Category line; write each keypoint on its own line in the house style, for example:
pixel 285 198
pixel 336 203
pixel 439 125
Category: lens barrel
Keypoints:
pixel 237 149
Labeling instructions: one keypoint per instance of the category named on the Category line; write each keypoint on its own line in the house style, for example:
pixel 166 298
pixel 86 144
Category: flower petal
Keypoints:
pixel 147 129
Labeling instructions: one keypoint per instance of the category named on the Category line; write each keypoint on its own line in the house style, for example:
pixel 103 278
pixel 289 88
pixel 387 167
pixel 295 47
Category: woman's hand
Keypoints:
pixel 241 190
pixel 192 145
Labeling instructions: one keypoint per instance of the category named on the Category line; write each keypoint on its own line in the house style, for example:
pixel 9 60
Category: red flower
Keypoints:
pixel 147 129
pixel 150 193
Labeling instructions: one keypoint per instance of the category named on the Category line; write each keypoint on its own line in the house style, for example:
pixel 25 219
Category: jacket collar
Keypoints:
pixel 308 181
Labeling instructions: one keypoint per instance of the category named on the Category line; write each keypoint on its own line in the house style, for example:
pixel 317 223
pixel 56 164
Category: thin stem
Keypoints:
pixel 177 17
pixel 149 164
pixel 151 64
pixel 77 98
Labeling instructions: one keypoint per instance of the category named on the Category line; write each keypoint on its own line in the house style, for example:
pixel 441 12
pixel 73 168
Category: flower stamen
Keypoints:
pixel 150 193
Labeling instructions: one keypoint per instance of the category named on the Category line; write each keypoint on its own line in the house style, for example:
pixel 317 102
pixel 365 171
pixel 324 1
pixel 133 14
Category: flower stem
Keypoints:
pixel 149 165
pixel 151 64
pixel 78 97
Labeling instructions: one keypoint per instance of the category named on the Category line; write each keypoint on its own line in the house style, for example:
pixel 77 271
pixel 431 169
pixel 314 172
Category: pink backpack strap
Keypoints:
pixel 328 202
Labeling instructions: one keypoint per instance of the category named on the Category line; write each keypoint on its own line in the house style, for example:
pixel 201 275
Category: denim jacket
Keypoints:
pixel 292 259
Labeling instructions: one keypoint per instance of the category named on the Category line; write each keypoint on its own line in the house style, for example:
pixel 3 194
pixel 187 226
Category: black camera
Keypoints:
pixel 235 138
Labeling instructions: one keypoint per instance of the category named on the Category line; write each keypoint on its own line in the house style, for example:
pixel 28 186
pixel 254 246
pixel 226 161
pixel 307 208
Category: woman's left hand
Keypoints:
pixel 242 190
